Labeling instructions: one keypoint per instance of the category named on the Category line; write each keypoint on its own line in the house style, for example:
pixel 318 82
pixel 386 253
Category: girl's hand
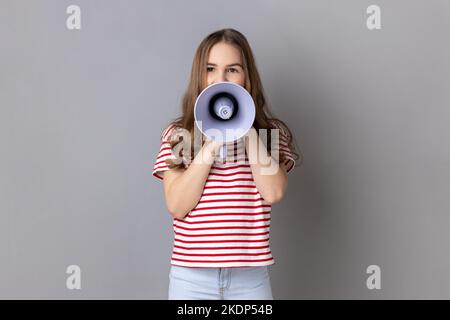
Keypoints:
pixel 213 146
pixel 208 152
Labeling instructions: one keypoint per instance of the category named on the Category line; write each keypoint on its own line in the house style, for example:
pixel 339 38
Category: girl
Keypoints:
pixel 221 209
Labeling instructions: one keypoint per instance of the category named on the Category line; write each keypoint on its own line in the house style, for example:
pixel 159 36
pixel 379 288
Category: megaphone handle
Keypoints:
pixel 223 151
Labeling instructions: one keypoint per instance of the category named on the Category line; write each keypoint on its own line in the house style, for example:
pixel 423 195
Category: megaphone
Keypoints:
pixel 224 111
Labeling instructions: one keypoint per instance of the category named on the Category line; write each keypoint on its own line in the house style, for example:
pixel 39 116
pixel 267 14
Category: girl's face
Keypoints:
pixel 225 64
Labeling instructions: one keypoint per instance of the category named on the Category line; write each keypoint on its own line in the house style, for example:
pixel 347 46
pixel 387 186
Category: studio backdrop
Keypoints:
pixel 86 88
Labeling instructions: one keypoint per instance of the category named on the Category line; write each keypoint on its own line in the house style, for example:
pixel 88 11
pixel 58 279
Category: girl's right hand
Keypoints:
pixel 213 146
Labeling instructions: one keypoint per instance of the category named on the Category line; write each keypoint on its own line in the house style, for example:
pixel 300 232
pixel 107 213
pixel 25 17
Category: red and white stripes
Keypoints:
pixel 230 225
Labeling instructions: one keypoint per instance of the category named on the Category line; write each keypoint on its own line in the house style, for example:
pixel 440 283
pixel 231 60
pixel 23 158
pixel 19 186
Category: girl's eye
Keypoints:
pixel 232 70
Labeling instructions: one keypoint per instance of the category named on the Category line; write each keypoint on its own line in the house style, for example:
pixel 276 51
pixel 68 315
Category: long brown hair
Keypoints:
pixel 264 119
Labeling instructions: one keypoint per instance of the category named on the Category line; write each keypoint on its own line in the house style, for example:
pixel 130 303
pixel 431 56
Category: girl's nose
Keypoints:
pixel 222 77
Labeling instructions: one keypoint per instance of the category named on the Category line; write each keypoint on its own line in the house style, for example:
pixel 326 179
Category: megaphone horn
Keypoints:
pixel 226 109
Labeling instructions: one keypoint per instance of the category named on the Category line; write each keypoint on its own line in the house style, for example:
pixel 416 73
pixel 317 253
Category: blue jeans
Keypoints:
pixel 237 283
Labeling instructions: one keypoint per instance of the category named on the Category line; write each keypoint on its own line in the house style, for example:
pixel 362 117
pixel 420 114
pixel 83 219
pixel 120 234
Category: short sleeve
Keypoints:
pixel 284 149
pixel 165 152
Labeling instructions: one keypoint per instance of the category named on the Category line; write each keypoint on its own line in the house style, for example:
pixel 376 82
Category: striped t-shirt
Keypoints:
pixel 229 227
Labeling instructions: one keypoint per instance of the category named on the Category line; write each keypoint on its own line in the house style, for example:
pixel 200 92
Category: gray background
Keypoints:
pixel 81 113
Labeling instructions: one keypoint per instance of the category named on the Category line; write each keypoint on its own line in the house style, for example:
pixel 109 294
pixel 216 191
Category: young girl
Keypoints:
pixel 221 209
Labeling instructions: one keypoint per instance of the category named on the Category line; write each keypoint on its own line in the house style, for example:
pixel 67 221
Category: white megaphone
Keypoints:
pixel 224 111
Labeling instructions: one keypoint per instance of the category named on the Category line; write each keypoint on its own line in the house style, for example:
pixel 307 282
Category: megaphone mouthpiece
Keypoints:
pixel 223 106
